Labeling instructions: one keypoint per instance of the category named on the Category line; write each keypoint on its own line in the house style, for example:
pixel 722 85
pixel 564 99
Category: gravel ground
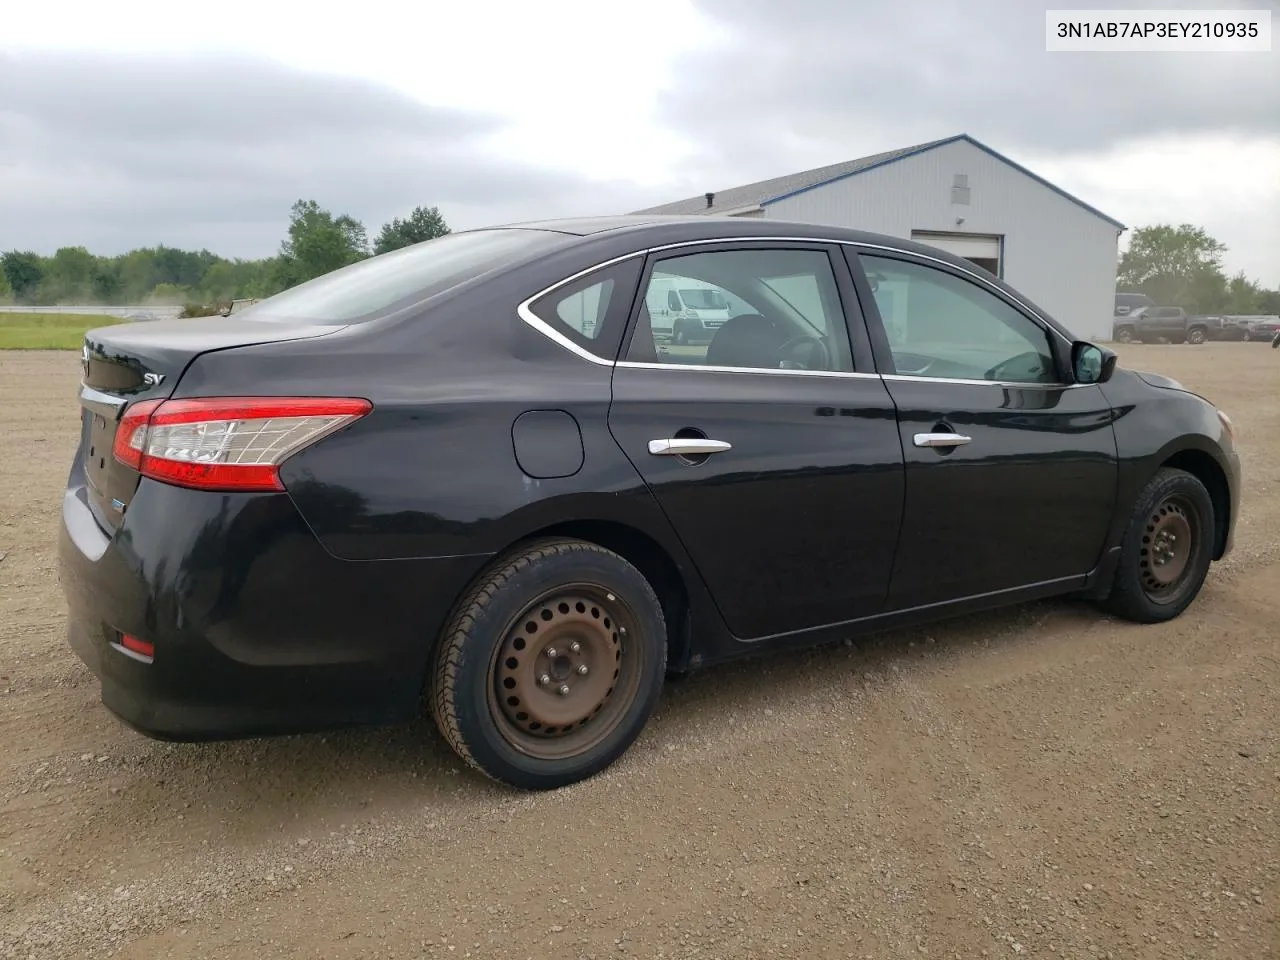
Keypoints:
pixel 1038 782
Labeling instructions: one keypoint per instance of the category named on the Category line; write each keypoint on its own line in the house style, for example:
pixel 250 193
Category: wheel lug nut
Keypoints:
pixel 582 670
pixel 544 680
pixel 564 690
pixel 575 646
pixel 551 652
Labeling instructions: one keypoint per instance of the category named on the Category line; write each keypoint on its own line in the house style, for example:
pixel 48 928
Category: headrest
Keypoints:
pixel 747 340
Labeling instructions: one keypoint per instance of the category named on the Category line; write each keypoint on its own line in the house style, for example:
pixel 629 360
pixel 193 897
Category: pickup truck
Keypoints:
pixel 1171 324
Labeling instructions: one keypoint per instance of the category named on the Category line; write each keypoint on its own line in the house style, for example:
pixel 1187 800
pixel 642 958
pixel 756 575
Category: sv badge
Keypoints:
pixel 153 379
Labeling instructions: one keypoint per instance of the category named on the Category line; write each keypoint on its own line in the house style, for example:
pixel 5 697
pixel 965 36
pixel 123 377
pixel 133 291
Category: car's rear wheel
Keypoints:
pixel 1197 335
pixel 551 665
pixel 1125 335
pixel 1167 549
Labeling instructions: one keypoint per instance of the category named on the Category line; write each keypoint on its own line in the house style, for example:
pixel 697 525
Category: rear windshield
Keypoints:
pixel 376 286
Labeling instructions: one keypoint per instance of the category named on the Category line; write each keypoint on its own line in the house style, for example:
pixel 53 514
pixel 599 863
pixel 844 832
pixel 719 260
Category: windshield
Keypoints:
pixel 371 287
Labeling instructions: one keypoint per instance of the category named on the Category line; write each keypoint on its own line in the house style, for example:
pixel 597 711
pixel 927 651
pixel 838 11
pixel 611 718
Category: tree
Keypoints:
pixel 6 291
pixel 68 276
pixel 1177 266
pixel 425 223
pixel 169 294
pixel 24 270
pixel 1243 296
pixel 107 283
pixel 318 243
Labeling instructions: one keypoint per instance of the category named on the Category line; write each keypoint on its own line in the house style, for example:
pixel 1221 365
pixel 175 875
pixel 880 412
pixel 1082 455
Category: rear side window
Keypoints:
pixel 374 287
pixel 591 311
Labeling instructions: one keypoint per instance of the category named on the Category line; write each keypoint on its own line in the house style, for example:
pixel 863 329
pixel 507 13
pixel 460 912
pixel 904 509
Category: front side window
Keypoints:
pixel 940 325
pixel 748 309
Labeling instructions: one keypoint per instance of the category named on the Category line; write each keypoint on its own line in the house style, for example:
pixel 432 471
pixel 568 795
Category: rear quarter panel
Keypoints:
pixel 432 472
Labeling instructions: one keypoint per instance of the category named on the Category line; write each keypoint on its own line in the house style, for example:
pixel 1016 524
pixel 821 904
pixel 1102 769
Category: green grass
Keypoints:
pixel 48 331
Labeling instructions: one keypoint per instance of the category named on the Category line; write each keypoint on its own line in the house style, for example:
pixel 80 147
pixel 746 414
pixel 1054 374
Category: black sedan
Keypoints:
pixel 465 471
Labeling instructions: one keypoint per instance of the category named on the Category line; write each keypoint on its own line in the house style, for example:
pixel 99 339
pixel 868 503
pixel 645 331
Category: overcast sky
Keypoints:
pixel 137 122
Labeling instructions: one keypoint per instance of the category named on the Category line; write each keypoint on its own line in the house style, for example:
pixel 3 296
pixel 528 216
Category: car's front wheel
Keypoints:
pixel 1166 551
pixel 551 665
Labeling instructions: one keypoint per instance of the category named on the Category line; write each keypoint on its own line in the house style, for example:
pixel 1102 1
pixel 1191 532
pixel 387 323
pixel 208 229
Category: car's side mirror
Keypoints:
pixel 1091 363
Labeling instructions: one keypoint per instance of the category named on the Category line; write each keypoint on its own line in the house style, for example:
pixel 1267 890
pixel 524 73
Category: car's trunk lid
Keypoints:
pixel 130 362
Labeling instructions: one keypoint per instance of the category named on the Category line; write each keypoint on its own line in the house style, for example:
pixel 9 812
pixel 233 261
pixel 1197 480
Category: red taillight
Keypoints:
pixel 142 648
pixel 131 435
pixel 227 443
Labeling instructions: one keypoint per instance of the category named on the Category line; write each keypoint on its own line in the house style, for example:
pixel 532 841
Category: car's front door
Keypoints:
pixel 773 449
pixel 1010 469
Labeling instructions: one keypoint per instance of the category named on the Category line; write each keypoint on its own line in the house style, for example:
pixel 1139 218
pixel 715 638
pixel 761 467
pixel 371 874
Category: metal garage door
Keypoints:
pixel 982 249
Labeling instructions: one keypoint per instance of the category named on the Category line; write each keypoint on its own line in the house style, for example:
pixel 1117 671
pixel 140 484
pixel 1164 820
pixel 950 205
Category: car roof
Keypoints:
pixel 698 226
pixel 646 230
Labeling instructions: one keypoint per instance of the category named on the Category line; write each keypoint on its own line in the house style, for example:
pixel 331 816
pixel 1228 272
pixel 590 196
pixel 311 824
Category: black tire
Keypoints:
pixel 1136 592
pixel 679 337
pixel 579 595
pixel 1125 335
pixel 1197 335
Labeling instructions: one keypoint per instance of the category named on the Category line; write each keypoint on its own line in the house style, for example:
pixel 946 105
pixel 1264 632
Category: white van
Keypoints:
pixel 684 310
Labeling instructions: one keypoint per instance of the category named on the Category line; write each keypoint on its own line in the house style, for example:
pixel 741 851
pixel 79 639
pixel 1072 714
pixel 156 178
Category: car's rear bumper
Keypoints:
pixel 256 628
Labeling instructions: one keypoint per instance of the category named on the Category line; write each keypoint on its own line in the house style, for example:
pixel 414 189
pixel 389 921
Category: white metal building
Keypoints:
pixel 962 196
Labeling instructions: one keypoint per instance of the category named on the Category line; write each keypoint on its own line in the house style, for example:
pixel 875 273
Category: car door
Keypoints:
pixel 1011 470
pixel 773 449
pixel 1158 318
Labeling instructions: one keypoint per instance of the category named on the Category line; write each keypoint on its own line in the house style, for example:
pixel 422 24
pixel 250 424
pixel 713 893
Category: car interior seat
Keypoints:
pixel 747 340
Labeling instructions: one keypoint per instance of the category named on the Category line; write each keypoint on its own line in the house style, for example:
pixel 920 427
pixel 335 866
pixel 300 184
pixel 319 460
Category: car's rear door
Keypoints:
pixel 1010 469
pixel 778 464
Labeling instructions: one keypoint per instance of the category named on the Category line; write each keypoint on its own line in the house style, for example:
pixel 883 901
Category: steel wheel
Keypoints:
pixel 1170 542
pixel 1167 548
pixel 551 664
pixel 562 677
pixel 1124 335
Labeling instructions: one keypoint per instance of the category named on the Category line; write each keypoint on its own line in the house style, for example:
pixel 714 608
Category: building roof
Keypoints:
pixel 764 192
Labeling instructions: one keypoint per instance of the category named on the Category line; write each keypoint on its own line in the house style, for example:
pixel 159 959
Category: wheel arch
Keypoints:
pixel 641 550
pixel 1204 467
pixel 649 557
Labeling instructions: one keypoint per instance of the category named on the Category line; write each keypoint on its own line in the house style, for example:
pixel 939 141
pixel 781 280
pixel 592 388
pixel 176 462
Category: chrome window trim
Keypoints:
pixel 1017 384
pixel 768 371
pixel 525 312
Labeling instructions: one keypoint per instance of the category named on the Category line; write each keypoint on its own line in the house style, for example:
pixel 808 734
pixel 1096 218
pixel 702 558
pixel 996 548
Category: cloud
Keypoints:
pixel 1143 136
pixel 830 75
pixel 210 151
